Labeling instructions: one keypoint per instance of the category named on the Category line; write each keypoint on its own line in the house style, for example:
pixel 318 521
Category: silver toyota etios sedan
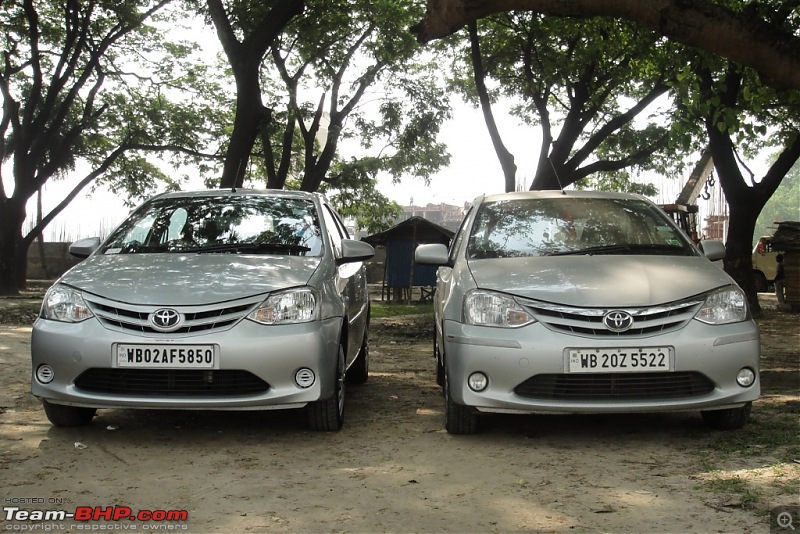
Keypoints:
pixel 213 300
pixel 587 302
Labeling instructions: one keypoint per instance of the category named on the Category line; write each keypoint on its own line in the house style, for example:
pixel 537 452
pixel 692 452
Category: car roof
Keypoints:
pixel 521 195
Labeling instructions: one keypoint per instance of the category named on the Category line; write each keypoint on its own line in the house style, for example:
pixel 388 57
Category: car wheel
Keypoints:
pixel 458 419
pixel 359 371
pixel 729 418
pixel 761 282
pixel 62 415
pixel 327 415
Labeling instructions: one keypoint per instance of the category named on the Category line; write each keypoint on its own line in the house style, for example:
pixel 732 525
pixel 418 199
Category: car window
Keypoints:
pixel 242 224
pixel 551 226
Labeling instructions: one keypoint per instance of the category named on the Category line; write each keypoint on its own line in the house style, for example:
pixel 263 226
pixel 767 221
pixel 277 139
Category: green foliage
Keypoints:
pixel 620 181
pixel 347 81
pixel 784 205
pixel 133 90
pixel 355 195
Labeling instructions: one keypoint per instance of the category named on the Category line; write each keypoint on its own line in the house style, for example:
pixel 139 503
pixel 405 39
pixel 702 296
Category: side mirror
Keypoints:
pixel 713 249
pixel 432 254
pixel 83 248
pixel 353 251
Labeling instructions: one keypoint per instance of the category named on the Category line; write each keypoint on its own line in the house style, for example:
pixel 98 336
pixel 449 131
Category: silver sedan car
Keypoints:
pixel 587 302
pixel 213 300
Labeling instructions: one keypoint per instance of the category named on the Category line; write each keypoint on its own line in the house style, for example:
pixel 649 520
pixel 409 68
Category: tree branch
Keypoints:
pixel 766 48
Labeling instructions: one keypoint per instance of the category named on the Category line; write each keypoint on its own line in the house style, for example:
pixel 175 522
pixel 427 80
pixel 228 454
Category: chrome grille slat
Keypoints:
pixel 588 322
pixel 134 318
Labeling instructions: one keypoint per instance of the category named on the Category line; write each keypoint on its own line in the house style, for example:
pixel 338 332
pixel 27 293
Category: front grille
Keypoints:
pixel 615 386
pixel 134 318
pixel 171 382
pixel 588 322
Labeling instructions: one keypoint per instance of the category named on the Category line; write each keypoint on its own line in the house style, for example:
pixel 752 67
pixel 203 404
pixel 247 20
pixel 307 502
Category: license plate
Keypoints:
pixel 166 356
pixel 617 360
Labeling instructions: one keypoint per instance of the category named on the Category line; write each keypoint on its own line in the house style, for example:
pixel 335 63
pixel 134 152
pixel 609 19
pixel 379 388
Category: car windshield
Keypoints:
pixel 221 224
pixel 562 226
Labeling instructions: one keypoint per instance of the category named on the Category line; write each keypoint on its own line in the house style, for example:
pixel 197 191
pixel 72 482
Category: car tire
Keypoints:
pixel 458 419
pixel 729 418
pixel 359 371
pixel 327 415
pixel 62 415
pixel 760 281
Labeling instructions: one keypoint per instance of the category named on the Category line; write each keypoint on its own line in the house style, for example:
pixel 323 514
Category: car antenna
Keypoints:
pixel 555 172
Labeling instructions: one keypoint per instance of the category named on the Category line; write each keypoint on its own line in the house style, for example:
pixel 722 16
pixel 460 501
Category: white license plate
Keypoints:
pixel 166 356
pixel 618 360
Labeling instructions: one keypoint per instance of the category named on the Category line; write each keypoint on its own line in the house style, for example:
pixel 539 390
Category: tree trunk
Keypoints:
pixel 505 157
pixel 40 239
pixel 12 217
pixel 738 260
pixel 250 112
pixel 245 60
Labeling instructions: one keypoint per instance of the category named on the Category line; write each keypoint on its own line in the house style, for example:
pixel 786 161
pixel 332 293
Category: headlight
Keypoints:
pixel 64 304
pixel 724 306
pixel 487 308
pixel 287 307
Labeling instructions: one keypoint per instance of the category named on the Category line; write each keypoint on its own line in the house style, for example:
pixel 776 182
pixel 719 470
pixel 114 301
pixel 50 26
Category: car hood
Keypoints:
pixel 187 279
pixel 601 281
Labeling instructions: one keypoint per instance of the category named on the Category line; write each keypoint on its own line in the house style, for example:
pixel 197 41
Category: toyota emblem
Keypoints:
pixel 618 321
pixel 165 320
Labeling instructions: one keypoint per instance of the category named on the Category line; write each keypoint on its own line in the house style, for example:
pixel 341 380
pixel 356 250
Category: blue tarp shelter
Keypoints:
pixel 401 273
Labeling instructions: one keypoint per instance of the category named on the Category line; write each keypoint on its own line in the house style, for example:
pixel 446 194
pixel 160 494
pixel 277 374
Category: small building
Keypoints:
pixel 787 239
pixel 401 273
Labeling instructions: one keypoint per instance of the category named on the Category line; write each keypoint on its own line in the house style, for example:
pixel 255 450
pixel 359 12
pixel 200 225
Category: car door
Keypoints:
pixel 351 283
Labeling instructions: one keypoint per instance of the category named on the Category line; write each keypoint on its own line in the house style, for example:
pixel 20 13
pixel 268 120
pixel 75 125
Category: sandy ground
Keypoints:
pixel 393 468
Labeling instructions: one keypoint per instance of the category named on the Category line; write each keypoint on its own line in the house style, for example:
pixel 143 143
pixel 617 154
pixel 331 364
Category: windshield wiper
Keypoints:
pixel 261 248
pixel 589 251
pixel 657 248
pixel 647 248
pixel 137 248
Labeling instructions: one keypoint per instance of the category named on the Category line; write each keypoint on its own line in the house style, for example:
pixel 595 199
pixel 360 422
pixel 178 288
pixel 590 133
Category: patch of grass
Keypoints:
pixel 382 310
pixel 735 486
pixel 770 431
pixel 771 434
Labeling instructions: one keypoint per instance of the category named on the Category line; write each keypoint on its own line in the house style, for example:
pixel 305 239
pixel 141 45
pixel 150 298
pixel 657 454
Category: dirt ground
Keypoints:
pixel 393 468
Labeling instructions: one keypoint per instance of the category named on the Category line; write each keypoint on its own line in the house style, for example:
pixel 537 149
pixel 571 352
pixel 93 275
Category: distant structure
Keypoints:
pixel 445 215
pixel 401 273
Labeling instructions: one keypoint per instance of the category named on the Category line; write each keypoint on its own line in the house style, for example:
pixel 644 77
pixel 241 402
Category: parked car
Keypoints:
pixel 212 300
pixel 587 302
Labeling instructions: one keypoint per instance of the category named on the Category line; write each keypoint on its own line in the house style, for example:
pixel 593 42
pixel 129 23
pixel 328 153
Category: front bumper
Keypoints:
pixel 272 354
pixel 511 357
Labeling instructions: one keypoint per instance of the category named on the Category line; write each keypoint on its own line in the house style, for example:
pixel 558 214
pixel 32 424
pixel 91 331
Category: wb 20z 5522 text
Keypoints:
pixel 581 360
